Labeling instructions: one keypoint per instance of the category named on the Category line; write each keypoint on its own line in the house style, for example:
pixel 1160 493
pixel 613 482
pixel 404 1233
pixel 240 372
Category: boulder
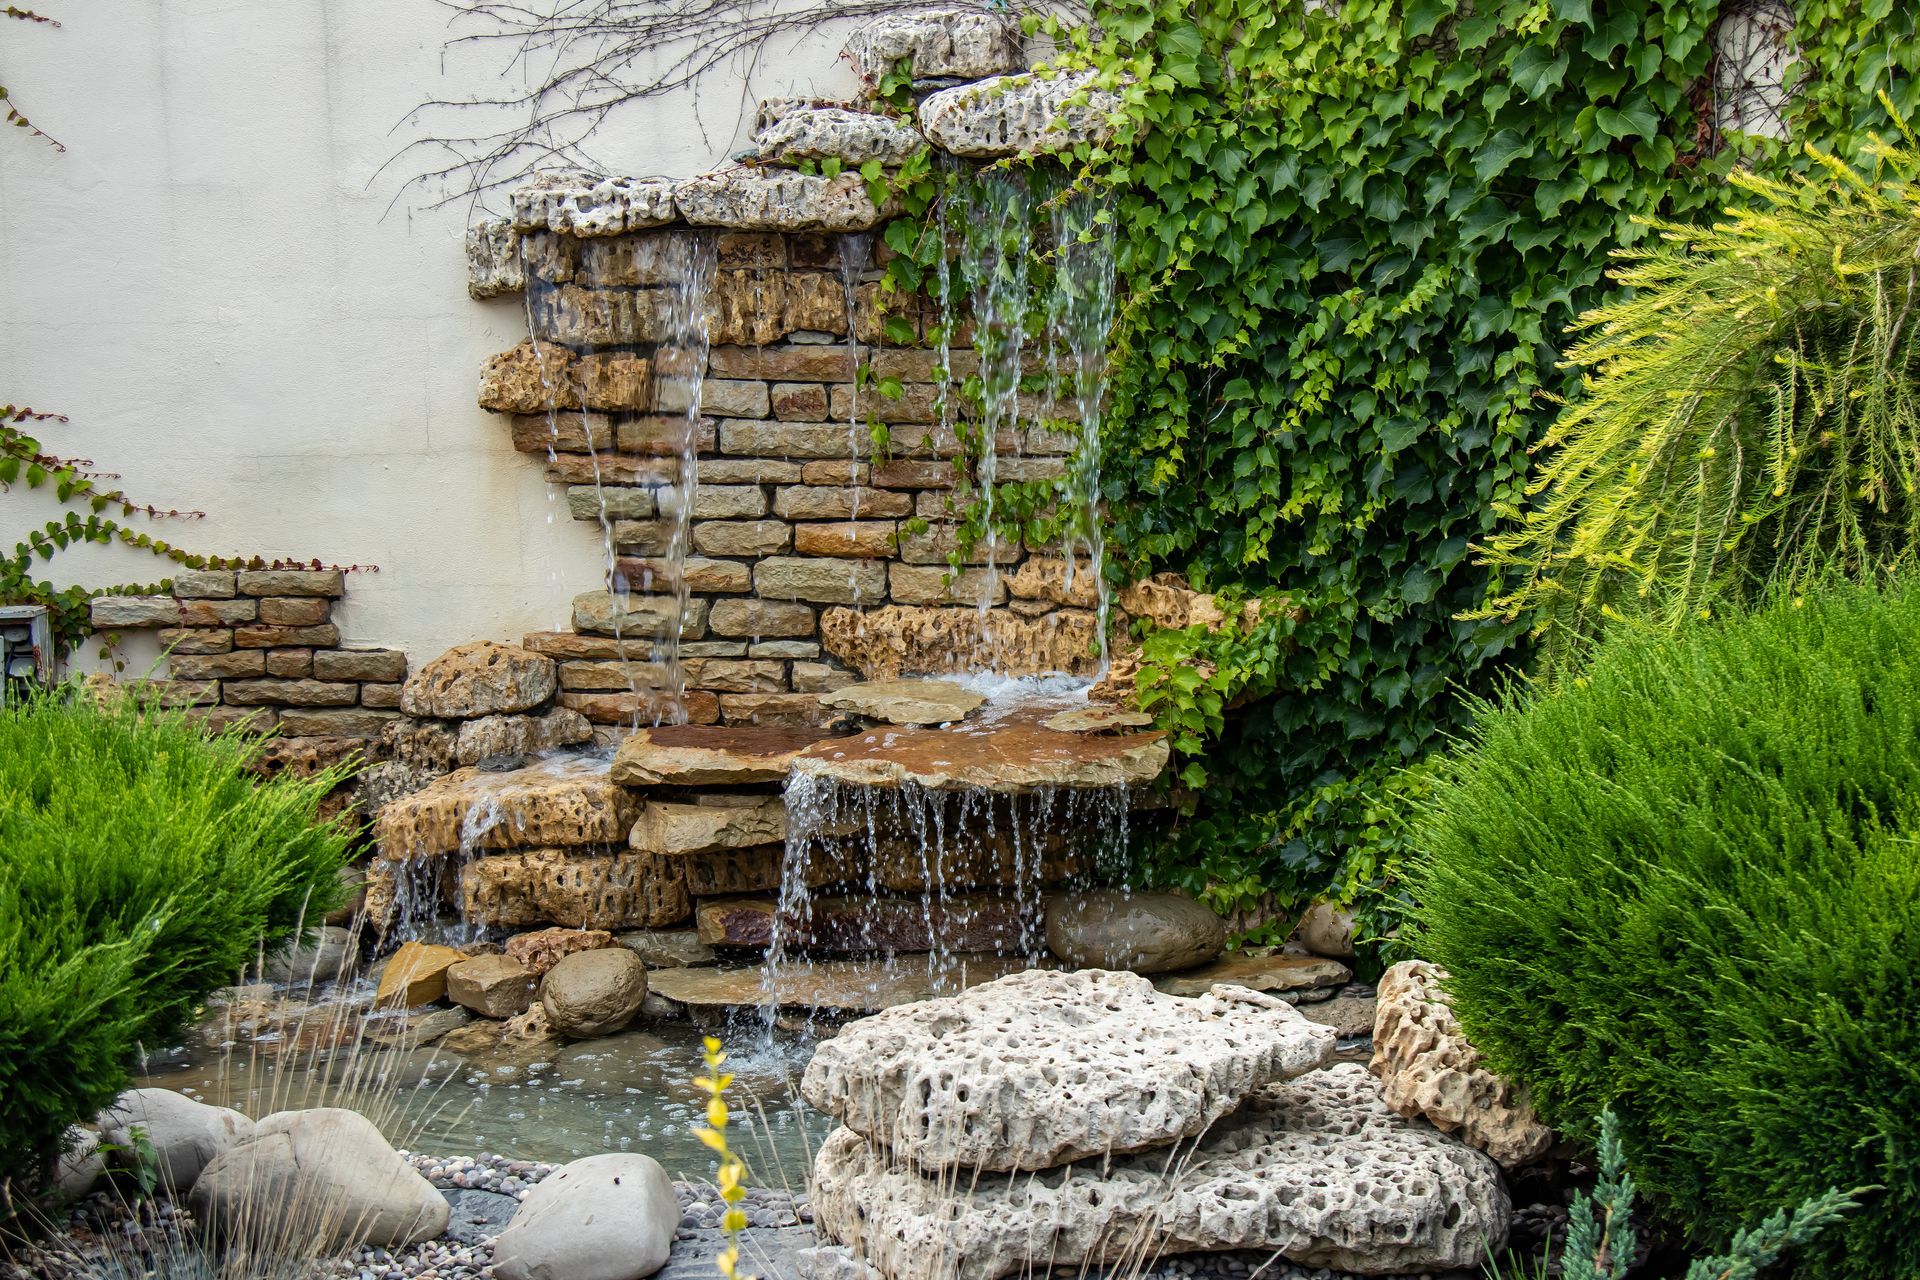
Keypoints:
pixel 322 958
pixel 1019 115
pixel 962 44
pixel 415 974
pixel 1316 1169
pixel 331 1173
pixel 1143 932
pixel 1041 1068
pixel 606 1217
pixel 542 949
pixel 492 986
pixel 480 679
pixel 1326 930
pixel 1426 1068
pixel 908 702
pixel 594 993
pixel 186 1136
pixel 520 735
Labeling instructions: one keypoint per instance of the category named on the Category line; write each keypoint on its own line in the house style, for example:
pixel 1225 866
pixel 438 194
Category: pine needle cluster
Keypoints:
pixel 1749 415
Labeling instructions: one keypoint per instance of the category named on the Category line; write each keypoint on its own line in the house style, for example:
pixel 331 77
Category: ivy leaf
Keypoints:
pixel 1580 11
pixel 1500 151
pixel 1634 118
pixel 1539 71
pixel 1424 15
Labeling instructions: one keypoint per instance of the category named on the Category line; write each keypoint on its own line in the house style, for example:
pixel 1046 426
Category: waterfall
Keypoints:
pixel 679 368
pixel 994 250
pixel 1080 317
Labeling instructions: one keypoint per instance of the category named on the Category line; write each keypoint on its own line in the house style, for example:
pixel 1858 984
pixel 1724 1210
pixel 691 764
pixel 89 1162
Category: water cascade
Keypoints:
pixel 1080 318
pixel 994 252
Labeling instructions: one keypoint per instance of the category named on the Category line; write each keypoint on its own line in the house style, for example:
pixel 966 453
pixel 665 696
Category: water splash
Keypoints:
pixel 1080 319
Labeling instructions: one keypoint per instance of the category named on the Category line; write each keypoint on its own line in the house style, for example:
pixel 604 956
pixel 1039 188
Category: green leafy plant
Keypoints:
pixel 1349 243
pixel 141 866
pixel 1683 887
pixel 1749 418
pixel 8 110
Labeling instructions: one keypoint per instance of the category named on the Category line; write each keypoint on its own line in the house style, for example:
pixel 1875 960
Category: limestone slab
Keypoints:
pixel 1041 1068
pixel 558 801
pixel 1278 973
pixel 709 755
pixel 829 986
pixel 1019 115
pixel 668 828
pixel 1427 1067
pixel 907 702
pixel 1316 1169
pixel 777 200
pixel 1014 756
pixel 581 888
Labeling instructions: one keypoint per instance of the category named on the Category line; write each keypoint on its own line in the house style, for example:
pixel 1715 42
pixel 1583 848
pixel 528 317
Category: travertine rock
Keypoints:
pixel 709 755
pixel 584 889
pixel 1427 1068
pixel 897 640
pixel 908 702
pixel 1041 1068
pixel 855 137
pixel 1056 581
pixel 1316 1169
pixel 1141 932
pixel 493 259
pixel 1166 600
pixel 582 204
pixel 964 44
pixel 542 949
pixel 557 801
pixel 480 679
pixel 710 826
pixel 519 735
pixel 542 377
pixel 778 200
pixel 1019 115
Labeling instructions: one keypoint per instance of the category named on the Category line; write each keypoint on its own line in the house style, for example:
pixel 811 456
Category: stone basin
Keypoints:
pixel 1012 754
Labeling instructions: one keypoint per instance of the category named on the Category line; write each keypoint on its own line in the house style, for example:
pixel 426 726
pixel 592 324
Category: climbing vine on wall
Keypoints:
pixel 10 112
pixel 1349 244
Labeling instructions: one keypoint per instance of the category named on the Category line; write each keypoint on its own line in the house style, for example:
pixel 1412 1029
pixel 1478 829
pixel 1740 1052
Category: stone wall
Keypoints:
pixel 260 648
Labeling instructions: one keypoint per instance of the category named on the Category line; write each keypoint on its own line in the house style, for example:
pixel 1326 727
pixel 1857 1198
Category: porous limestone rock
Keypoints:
pixel 715 823
pixel 582 888
pixel 1141 932
pixel 895 640
pixel 709 755
pixel 853 137
pixel 558 801
pixel 909 702
pixel 519 735
pixel 1041 1068
pixel 542 949
pixel 1166 600
pixel 415 974
pixel 492 986
pixel 1316 1169
pixel 1013 756
pixel 540 377
pixel 330 1165
pixel 1019 115
pixel 593 993
pixel 186 1136
pixel 583 204
pixel 1427 1068
pixel 778 200
pixel 493 259
pixel 605 1217
pixel 485 678
pixel 963 44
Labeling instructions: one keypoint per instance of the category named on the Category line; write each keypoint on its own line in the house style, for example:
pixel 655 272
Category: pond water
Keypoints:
pixel 551 1101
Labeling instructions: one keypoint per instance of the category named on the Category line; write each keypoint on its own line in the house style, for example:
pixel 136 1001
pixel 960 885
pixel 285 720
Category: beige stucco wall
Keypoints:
pixel 216 283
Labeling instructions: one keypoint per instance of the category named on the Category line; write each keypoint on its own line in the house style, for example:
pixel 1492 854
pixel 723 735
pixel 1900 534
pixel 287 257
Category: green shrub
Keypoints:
pixel 1685 887
pixel 141 864
pixel 1750 417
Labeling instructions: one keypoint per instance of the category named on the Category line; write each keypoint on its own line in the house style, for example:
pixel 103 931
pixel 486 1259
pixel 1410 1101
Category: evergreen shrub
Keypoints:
pixel 141 865
pixel 1686 887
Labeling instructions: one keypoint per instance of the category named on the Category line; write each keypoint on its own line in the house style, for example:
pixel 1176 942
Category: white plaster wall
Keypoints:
pixel 215 283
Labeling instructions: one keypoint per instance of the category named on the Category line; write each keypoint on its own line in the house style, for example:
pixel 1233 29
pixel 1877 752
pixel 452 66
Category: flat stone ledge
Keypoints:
pixel 582 204
pixel 1011 756
pixel 1019 115
pixel 778 200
